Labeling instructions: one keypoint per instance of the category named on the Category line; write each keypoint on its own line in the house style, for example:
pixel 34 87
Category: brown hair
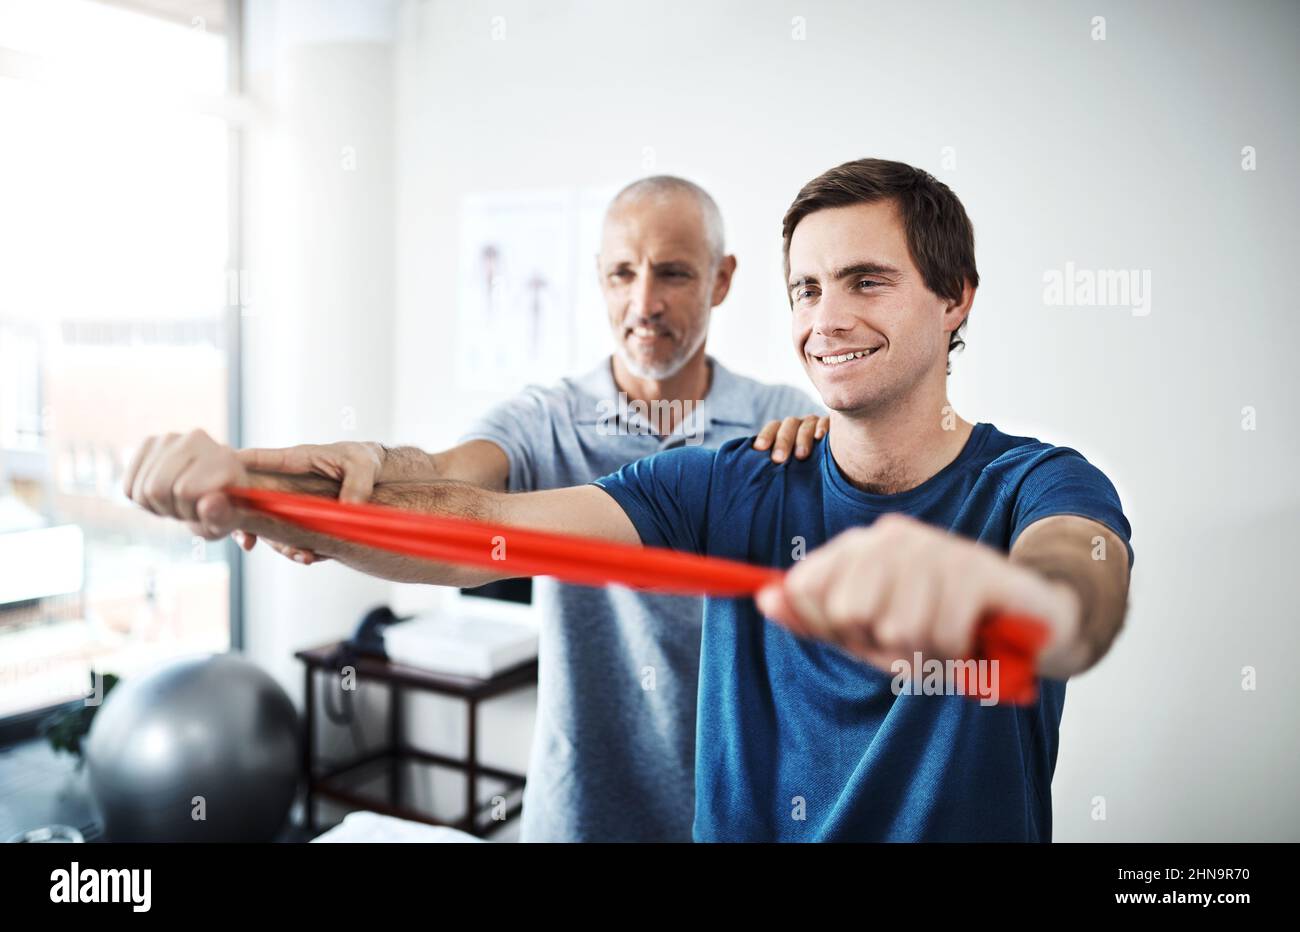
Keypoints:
pixel 940 237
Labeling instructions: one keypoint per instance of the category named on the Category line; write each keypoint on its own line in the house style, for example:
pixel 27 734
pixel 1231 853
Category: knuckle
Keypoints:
pixel 951 642
pixel 840 609
pixel 892 632
pixel 863 535
pixel 895 526
pixel 964 560
pixel 796 579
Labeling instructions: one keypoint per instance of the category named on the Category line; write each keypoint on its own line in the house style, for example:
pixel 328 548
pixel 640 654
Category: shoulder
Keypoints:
pixel 537 397
pixel 769 401
pixel 1039 479
pixel 781 401
pixel 733 465
pixel 571 398
pixel 1025 456
pixel 786 400
pixel 676 468
pixel 742 467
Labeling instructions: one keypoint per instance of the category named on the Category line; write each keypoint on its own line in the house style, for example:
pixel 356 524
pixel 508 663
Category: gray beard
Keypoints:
pixel 666 370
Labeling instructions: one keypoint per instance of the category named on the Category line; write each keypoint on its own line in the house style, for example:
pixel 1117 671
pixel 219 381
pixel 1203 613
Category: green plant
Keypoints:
pixel 65 730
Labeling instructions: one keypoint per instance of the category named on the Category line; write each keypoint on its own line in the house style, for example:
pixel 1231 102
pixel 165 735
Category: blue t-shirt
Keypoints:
pixel 798 741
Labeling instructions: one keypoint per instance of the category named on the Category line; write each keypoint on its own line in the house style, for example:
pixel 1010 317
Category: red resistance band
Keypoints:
pixel 1012 641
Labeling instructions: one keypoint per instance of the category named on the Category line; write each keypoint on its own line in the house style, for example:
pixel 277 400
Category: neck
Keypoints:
pixel 690 383
pixel 896 450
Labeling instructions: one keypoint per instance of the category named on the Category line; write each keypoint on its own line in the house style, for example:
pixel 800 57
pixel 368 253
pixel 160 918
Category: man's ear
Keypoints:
pixel 722 280
pixel 955 314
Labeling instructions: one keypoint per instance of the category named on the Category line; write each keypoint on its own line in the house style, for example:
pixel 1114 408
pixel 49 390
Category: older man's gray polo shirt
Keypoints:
pixel 613 754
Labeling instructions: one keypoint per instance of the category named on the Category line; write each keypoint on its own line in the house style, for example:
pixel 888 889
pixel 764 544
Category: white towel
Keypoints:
pixel 373 827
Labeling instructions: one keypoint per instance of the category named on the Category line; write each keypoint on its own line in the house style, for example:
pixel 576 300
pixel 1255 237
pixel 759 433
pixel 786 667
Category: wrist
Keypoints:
pixel 405 464
pixel 1067 652
pixel 387 466
pixel 300 484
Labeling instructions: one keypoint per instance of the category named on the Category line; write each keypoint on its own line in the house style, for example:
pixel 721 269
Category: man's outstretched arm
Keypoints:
pixel 900 586
pixel 183 477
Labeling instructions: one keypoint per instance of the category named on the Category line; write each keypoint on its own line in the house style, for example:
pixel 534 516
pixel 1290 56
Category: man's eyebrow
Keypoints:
pixel 666 265
pixel 849 271
pixel 867 268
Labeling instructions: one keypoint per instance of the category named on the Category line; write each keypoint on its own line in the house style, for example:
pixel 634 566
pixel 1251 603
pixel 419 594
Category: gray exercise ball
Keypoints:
pixel 201 749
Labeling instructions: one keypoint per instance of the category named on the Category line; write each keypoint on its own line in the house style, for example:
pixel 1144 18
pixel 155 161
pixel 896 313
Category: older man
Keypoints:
pixel 917 522
pixel 614 744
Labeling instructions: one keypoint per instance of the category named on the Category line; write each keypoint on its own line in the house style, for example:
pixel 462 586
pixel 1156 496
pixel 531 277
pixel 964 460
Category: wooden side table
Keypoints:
pixel 333 783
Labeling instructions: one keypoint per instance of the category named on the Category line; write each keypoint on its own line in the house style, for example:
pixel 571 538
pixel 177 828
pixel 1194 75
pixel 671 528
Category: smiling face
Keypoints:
pixel 865 326
pixel 661 279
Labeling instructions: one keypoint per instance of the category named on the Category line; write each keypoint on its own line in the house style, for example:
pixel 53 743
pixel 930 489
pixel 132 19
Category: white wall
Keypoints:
pixel 320 340
pixel 319 240
pixel 1115 154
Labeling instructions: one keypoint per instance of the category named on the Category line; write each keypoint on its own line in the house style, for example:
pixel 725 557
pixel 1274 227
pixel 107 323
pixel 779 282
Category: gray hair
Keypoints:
pixel 662 187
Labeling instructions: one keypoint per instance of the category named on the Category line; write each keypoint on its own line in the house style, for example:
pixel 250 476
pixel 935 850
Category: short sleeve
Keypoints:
pixel 1062 482
pixel 666 496
pixel 514 425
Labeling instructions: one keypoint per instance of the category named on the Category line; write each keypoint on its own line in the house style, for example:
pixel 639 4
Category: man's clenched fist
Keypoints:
pixel 181 476
pixel 900 586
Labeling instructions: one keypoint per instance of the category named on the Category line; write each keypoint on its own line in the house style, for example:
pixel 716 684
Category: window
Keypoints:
pixel 118 319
